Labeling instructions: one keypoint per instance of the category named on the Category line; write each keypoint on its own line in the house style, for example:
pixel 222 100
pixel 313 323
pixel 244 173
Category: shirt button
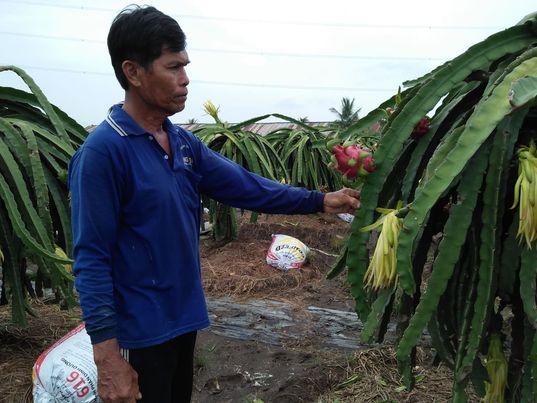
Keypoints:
pixel 150 137
pixel 165 157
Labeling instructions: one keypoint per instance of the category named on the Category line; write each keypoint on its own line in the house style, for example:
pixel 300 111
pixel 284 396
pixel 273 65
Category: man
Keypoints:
pixel 135 186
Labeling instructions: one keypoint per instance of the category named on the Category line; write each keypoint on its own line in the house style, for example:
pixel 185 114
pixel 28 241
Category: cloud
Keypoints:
pixel 77 76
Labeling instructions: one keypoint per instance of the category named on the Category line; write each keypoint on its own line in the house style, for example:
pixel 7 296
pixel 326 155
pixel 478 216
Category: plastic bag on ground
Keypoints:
pixel 66 372
pixel 286 252
pixel 346 217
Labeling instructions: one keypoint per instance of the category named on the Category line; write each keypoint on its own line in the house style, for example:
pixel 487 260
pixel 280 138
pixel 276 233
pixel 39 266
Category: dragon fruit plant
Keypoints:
pixel 237 143
pixel 303 155
pixel 37 140
pixel 421 128
pixel 457 191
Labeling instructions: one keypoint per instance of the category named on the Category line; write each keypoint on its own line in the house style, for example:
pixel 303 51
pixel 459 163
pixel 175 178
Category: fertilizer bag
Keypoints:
pixel 66 372
pixel 286 252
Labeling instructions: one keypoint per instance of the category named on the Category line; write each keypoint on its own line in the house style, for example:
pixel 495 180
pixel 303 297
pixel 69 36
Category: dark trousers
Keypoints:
pixel 165 371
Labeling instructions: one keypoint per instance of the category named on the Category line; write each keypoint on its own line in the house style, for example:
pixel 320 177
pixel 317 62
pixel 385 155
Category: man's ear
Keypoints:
pixel 132 71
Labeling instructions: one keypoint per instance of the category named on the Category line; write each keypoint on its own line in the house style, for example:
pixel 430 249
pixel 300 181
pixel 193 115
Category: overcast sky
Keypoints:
pixel 294 57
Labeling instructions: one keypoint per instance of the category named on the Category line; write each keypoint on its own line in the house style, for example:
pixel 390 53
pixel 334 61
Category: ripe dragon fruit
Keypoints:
pixel 352 161
pixel 421 128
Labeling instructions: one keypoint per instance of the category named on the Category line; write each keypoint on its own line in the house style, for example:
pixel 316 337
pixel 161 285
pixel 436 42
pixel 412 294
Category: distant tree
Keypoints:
pixel 192 121
pixel 348 115
pixel 304 119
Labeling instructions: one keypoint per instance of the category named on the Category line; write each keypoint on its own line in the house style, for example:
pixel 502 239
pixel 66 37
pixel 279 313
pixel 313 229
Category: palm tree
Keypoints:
pixel 348 115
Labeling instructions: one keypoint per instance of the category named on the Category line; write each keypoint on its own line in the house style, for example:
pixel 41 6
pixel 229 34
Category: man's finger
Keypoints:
pixel 135 385
pixel 351 192
pixel 353 202
pixel 137 394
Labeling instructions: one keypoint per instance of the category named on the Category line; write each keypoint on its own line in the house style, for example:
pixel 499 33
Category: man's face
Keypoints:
pixel 163 85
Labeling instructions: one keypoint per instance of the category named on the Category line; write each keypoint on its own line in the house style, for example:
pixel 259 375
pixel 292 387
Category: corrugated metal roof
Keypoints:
pixel 259 128
pixel 262 128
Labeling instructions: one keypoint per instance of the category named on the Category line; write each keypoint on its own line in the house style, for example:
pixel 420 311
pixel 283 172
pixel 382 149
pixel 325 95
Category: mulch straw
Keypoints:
pixel 239 269
pixel 226 274
pixel 20 347
pixel 372 376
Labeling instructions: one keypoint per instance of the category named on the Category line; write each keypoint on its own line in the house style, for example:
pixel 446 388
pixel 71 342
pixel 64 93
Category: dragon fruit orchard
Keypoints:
pixel 468 275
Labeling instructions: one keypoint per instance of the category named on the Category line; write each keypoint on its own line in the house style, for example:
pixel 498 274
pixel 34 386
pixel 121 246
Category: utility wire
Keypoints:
pixel 296 87
pixel 226 83
pixel 264 21
pixel 242 52
pixel 53 37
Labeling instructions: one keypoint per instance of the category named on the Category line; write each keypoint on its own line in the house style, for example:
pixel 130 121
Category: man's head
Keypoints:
pixel 147 49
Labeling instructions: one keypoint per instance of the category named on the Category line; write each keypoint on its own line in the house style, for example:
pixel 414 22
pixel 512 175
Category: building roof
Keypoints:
pixel 259 128
pixel 262 128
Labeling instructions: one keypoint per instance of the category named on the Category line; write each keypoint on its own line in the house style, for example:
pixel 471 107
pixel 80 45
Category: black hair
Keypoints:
pixel 141 34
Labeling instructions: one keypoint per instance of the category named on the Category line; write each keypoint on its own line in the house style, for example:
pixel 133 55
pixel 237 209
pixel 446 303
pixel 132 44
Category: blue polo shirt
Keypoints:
pixel 135 219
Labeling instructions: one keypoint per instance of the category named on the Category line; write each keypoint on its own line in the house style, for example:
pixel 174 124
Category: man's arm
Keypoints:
pixel 95 198
pixel 95 205
pixel 231 184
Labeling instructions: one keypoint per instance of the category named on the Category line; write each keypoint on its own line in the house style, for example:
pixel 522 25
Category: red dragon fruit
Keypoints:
pixel 421 128
pixel 352 161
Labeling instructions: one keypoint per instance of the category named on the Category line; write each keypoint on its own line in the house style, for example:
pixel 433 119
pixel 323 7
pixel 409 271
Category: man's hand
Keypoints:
pixel 117 380
pixel 343 201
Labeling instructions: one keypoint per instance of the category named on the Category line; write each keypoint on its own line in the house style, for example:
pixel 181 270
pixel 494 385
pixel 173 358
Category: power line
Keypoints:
pixel 62 70
pixel 53 37
pixel 339 24
pixel 296 87
pixel 264 21
pixel 242 52
pixel 226 83
pixel 65 6
pixel 317 55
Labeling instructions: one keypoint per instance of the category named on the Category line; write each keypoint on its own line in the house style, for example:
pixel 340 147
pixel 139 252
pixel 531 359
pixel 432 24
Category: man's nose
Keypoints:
pixel 184 80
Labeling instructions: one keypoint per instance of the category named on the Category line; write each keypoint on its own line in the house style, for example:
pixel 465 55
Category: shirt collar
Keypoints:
pixel 125 126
